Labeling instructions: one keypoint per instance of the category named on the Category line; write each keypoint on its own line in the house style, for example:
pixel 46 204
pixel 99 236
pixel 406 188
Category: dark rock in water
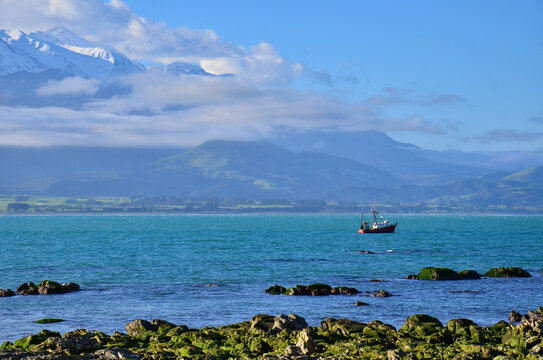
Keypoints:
pixel 366 252
pixel 48 321
pixel 344 290
pixel 465 291
pixel 69 287
pixel 381 294
pixel 411 277
pixel 6 293
pixel 46 287
pixel 27 289
pixel 275 290
pixel 375 280
pixel 78 341
pixel 140 327
pixel 433 273
pixel 319 289
pixel 469 275
pixel 360 303
pixel 507 272
pixel 515 316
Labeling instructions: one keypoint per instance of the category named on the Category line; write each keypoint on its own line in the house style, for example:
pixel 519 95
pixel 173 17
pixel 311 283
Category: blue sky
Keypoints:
pixel 442 75
pixel 487 53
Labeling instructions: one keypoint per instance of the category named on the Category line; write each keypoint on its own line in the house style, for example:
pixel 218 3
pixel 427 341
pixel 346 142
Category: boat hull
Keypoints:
pixel 385 229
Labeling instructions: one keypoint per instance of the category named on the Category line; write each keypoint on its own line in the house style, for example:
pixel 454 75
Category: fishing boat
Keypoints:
pixel 379 225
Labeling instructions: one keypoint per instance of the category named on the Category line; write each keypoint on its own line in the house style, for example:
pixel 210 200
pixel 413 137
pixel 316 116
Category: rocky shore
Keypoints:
pixel 290 337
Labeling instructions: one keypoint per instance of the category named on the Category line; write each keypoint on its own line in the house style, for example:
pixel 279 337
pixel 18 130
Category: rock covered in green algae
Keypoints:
pixel 441 273
pixel 48 321
pixel 316 289
pixel 507 272
pixel 420 337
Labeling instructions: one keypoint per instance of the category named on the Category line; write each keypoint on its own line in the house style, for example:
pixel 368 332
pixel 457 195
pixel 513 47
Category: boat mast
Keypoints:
pixel 374 212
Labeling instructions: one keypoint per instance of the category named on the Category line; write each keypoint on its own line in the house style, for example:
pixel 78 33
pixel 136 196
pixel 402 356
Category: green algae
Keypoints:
pixel 48 321
pixel 420 337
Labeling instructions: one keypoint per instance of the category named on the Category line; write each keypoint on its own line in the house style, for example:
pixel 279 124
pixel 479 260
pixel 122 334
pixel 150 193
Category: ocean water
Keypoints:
pixel 209 270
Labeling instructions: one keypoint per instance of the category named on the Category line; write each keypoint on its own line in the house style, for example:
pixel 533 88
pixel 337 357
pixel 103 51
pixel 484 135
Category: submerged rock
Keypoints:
pixel 381 294
pixel 316 289
pixel 507 272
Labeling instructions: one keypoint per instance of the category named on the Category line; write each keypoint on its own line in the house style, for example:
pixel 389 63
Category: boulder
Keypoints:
pixel 6 293
pixel 318 289
pixel 422 324
pixel 27 289
pixel 36 339
pixel 469 275
pixel 344 290
pixel 360 303
pixel 381 294
pixel 514 317
pixel 305 342
pixel 140 327
pixel 507 272
pixel 343 326
pixel 460 326
pixel 411 277
pixel 49 287
pixel 433 273
pixel 293 351
pixel 289 323
pixel 275 290
pixel 78 341
pixel 262 322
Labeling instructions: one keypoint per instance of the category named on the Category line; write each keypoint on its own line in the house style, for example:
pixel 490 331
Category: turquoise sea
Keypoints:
pixel 208 270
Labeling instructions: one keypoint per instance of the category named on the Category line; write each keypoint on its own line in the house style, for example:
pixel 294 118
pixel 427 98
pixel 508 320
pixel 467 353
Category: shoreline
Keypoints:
pixel 290 337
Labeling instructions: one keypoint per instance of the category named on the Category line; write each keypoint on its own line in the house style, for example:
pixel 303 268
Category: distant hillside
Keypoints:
pixel 234 169
pixel 408 162
pixel 244 170
pixel 33 170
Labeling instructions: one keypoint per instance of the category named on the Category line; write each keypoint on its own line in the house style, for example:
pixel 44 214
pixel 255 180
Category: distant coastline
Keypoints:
pixel 46 205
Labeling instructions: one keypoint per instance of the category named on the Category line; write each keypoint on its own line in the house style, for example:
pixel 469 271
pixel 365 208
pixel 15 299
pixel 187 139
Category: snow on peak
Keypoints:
pixel 60 48
pixel 62 36
pixel 182 68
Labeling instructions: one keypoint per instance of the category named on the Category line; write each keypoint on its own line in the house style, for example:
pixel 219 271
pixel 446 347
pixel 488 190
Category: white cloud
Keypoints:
pixel 115 24
pixel 168 110
pixel 69 86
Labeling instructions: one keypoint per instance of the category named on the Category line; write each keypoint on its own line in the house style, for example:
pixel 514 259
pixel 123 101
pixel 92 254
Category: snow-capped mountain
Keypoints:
pixel 59 48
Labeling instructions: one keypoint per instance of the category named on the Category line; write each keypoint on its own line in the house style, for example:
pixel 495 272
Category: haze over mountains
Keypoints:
pixel 361 165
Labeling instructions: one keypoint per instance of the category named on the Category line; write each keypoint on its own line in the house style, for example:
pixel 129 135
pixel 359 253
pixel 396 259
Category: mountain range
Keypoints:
pixel 363 165
pixel 249 170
